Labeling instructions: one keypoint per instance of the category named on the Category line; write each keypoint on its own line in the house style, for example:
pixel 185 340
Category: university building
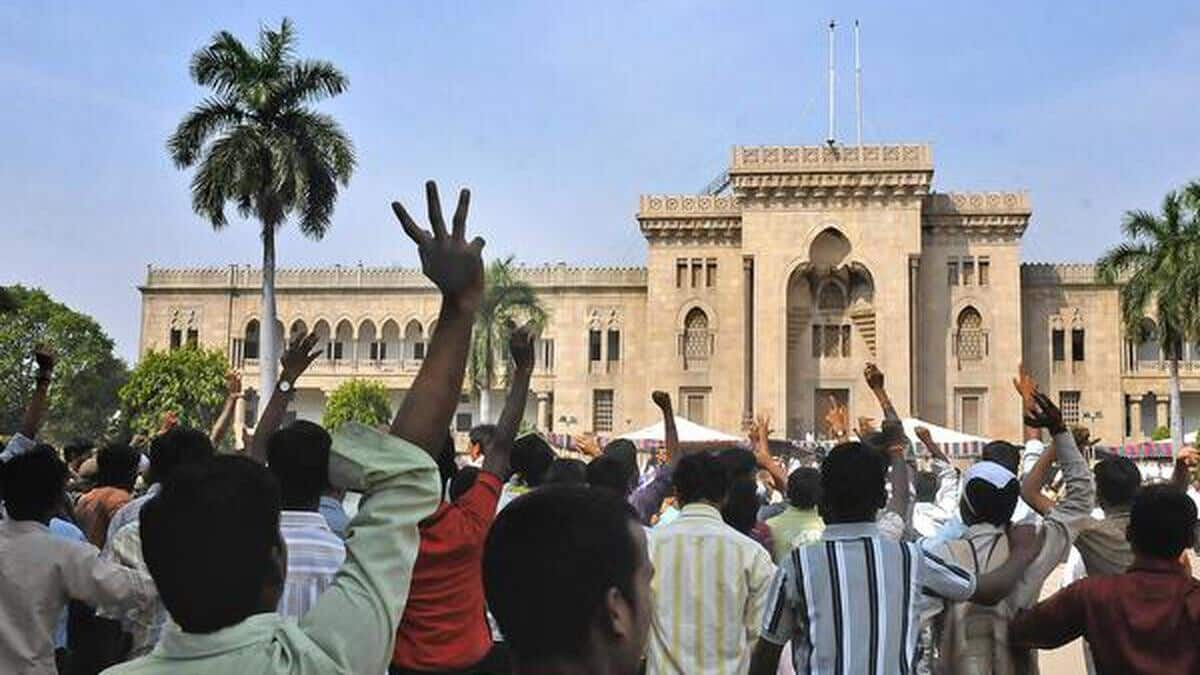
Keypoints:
pixel 766 295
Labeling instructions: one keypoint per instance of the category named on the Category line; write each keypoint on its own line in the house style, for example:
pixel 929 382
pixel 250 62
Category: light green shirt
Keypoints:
pixel 794 527
pixel 353 624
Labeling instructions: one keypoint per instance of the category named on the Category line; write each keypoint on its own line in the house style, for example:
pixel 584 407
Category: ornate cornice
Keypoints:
pixel 690 218
pixel 989 215
pixel 824 159
pixel 1059 274
pixel 831 177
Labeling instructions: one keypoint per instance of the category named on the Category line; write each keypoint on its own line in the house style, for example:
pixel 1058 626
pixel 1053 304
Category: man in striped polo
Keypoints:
pixel 851 603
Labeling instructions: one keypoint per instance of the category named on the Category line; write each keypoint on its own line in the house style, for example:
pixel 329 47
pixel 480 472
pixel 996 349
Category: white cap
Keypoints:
pixel 991 472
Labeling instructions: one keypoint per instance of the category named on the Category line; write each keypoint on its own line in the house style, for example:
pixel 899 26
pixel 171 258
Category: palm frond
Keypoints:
pixel 1139 224
pixel 1121 258
pixel 211 117
pixel 308 81
pixel 224 64
pixel 1171 213
pixel 275 46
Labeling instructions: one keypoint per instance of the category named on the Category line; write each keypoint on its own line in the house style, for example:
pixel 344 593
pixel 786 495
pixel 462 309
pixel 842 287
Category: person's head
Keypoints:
pixel 624 451
pixel 117 466
pixel 567 576
pixel 852 484
pixel 566 471
pixel 1162 522
pixel 804 487
pixel 33 484
pixel 1117 481
pixel 77 452
pixel 298 457
pixel 989 495
pixel 479 439
pixel 211 541
pixel 738 463
pixel 447 466
pixel 925 484
pixel 740 508
pixel 531 457
pixel 700 477
pixel 462 481
pixel 180 445
pixel 610 473
pixel 1003 453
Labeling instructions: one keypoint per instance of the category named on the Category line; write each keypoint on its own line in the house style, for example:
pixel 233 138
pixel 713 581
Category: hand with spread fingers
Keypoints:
pixel 520 346
pixel 1026 386
pixel 452 263
pixel 298 356
pixel 1045 415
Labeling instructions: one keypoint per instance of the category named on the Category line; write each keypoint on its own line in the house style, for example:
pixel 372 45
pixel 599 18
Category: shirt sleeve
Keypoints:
pixel 100 582
pixel 648 498
pixel 1029 456
pixel 891 525
pixel 400 486
pixel 948 486
pixel 1053 622
pixel 1075 508
pixel 780 607
pixel 941 577
pixel 477 506
pixel 762 570
pixel 17 445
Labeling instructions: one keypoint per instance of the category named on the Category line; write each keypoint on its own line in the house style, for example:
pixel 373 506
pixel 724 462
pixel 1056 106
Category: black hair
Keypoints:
pixel 446 464
pixel 33 483
pixel 1162 522
pixel 700 476
pixel 566 471
pixel 481 435
pixel 804 487
pixel 623 450
pixel 1117 481
pixel 926 486
pixel 610 473
pixel 987 503
pixel 740 508
pixel 551 557
pixel 78 447
pixel 852 483
pixel 117 465
pixel 210 539
pixel 1003 453
pixel 180 445
pixel 531 457
pixel 738 462
pixel 298 457
pixel 462 481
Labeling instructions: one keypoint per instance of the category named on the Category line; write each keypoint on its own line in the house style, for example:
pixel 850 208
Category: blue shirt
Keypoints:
pixel 64 529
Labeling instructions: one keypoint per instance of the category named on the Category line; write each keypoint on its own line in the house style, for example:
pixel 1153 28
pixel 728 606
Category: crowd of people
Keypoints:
pixel 162 555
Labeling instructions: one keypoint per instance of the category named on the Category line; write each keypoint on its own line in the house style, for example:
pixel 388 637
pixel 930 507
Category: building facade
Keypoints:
pixel 766 296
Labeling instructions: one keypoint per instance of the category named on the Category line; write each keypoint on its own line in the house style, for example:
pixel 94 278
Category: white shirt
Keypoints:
pixel 710 586
pixel 314 555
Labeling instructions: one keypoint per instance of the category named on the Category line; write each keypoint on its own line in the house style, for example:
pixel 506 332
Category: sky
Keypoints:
pixel 559 114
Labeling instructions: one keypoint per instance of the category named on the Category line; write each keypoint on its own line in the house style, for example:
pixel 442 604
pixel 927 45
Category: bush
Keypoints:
pixel 364 401
pixel 1161 434
pixel 189 382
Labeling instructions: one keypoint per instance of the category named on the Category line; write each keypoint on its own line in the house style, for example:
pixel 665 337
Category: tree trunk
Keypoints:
pixel 485 406
pixel 268 352
pixel 1176 398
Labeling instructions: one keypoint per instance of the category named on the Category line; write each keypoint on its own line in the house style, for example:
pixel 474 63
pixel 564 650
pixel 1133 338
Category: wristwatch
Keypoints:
pixel 284 387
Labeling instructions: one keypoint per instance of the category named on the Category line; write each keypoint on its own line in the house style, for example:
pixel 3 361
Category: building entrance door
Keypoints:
pixel 824 401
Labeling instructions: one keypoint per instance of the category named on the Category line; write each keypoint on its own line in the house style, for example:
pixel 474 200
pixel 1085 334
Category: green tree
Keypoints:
pixel 1158 268
pixel 83 395
pixel 189 382
pixel 507 300
pixel 364 401
pixel 257 142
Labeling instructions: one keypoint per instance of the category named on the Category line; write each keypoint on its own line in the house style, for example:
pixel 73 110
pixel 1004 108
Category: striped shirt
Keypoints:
pixel 851 603
pixel 314 555
pixel 710 585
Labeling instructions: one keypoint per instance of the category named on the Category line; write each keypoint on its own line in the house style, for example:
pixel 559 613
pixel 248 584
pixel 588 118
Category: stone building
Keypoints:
pixel 765 296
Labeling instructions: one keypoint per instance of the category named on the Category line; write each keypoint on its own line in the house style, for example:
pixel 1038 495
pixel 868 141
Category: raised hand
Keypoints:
pixel 1045 415
pixel 924 436
pixel 874 377
pixel 233 384
pixel 661 399
pixel 169 420
pixel 45 359
pixel 1026 386
pixel 587 445
pixel 452 263
pixel 520 346
pixel 298 356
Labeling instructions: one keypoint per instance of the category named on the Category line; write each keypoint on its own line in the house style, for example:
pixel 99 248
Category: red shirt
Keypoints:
pixel 444 626
pixel 94 511
pixel 1146 620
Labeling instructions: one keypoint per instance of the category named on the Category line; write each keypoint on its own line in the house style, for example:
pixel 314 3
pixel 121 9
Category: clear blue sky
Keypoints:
pixel 558 114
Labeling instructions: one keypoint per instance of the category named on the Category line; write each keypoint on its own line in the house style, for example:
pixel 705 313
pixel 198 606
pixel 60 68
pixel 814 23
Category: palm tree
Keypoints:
pixel 257 142
pixel 507 301
pixel 1159 267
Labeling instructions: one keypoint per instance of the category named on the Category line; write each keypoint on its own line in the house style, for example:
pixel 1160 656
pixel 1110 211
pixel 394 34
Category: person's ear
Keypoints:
pixel 618 615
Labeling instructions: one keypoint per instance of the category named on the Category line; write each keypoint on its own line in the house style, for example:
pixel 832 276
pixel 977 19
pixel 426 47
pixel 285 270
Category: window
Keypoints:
pixel 831 341
pixel 710 272
pixel 418 351
pixel 1077 344
pixel 378 350
pixel 193 338
pixel 602 410
pixel 176 339
pixel 614 345
pixel 1068 402
pixel 335 351
pixel 250 349
pixel 235 353
pixel 968 272
pixel 697 270
pixel 681 272
pixel 462 422
pixel 543 357
pixel 969 415
pixel 1057 344
pixel 972 340
pixel 831 298
pixel 952 272
pixel 984 269
pixel 695 404
pixel 697 342
pixel 594 345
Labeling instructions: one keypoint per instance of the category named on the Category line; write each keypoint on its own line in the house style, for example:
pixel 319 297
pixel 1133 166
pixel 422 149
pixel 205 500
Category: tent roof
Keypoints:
pixel 940 434
pixel 689 432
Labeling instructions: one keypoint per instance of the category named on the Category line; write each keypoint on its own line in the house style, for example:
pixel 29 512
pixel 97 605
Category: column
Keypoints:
pixel 914 271
pixel 239 420
pixel 1135 419
pixel 543 409
pixel 748 337
pixel 1160 411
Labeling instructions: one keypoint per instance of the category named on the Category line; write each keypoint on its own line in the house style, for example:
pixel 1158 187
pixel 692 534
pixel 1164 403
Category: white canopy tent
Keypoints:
pixel 689 432
pixel 940 434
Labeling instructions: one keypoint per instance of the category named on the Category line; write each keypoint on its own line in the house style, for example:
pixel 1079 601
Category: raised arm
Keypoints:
pixel 1026 388
pixel 760 435
pixel 455 266
pixel 948 487
pixel 233 391
pixel 670 434
pixel 1079 497
pixel 296 359
pixel 1024 542
pixel 31 423
pixel 1035 478
pixel 499 451
pixel 875 382
pixel 900 477
pixel 1186 462
pixel 647 498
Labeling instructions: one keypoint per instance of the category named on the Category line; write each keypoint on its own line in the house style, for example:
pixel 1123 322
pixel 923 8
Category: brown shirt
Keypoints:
pixel 95 509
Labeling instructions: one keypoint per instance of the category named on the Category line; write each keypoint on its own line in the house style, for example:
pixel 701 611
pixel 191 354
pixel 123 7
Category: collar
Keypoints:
pixel 255 629
pixel 302 519
pixel 1145 563
pixel 850 530
pixel 699 510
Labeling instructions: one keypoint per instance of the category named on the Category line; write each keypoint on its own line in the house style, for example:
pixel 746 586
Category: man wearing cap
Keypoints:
pixel 973 638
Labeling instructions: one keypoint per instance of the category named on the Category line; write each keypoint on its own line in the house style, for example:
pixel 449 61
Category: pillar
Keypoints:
pixel 914 285
pixel 543 410
pixel 239 420
pixel 748 338
pixel 1135 419
pixel 1160 411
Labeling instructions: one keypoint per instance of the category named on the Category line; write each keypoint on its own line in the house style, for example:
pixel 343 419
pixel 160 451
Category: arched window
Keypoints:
pixel 1148 351
pixel 831 298
pixel 324 339
pixel 369 347
pixel 250 344
pixel 342 339
pixel 414 341
pixel 972 340
pixel 390 337
pixel 697 340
